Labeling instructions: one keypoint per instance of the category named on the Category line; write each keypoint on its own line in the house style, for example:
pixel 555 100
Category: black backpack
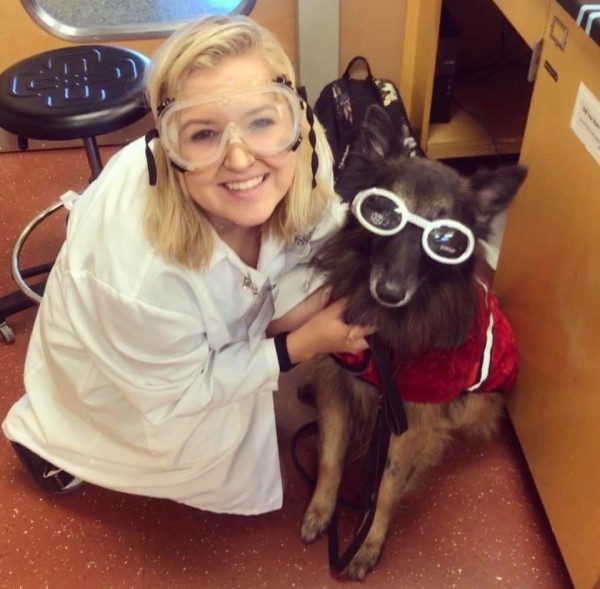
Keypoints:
pixel 342 105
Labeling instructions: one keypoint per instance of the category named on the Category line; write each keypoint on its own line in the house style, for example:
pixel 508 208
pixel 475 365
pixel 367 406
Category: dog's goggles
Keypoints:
pixel 196 133
pixel 384 213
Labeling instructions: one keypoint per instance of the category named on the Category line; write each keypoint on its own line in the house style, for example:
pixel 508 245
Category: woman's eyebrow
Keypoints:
pixel 198 121
pixel 212 121
pixel 260 108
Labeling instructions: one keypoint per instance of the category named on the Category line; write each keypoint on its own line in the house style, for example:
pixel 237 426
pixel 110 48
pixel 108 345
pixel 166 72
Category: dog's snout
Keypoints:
pixel 391 293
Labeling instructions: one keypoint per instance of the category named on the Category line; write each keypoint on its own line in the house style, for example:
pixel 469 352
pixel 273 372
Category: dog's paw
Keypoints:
pixel 364 560
pixel 315 523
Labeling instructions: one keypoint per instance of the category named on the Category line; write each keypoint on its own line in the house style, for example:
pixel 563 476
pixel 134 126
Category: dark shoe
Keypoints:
pixel 49 478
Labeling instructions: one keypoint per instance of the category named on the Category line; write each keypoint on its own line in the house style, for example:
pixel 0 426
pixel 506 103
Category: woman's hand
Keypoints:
pixel 326 332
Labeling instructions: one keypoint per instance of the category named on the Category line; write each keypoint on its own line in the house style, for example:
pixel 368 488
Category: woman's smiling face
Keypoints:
pixel 242 187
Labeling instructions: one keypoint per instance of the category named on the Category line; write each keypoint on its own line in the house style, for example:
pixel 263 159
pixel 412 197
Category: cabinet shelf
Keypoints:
pixel 495 108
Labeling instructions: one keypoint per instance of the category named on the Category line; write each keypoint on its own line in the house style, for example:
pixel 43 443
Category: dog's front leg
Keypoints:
pixel 409 455
pixel 333 418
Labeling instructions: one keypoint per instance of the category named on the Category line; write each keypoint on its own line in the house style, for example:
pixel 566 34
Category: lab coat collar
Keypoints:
pixel 270 248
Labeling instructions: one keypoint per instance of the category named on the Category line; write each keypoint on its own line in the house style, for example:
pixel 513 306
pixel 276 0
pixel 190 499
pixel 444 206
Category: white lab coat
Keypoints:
pixel 140 376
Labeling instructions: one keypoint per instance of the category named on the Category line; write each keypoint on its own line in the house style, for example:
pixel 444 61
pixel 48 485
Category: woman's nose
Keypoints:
pixel 238 156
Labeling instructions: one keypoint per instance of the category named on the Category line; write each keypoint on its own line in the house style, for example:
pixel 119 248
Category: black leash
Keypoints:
pixel 374 462
pixel 395 416
pixel 391 418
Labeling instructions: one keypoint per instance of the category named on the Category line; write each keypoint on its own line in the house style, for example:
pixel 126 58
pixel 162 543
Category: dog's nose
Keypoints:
pixel 392 293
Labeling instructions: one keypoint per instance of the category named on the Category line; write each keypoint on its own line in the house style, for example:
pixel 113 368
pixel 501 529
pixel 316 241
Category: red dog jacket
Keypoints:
pixel 487 361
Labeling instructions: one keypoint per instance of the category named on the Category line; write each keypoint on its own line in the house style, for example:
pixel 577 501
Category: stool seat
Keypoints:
pixel 77 92
pixel 73 92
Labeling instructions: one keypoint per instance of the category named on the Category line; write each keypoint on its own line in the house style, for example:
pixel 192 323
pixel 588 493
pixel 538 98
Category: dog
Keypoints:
pixel 407 261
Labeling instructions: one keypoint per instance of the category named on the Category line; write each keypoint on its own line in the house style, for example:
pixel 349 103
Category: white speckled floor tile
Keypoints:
pixel 476 524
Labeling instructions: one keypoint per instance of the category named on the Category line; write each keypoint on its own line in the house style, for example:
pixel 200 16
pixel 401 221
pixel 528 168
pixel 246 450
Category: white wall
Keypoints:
pixel 318 41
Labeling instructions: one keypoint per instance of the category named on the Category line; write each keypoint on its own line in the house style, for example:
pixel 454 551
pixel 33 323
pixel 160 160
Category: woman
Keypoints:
pixel 149 370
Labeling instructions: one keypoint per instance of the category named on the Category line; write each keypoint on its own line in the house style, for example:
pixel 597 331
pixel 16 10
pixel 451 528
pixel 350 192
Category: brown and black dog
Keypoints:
pixel 407 261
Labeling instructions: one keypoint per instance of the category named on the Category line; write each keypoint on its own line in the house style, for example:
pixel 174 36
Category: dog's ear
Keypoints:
pixel 496 189
pixel 376 137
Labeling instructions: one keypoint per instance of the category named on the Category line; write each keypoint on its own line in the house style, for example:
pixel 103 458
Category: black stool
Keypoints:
pixel 77 92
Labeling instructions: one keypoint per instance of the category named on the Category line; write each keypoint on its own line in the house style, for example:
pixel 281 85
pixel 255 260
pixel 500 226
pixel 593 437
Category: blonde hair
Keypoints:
pixel 176 226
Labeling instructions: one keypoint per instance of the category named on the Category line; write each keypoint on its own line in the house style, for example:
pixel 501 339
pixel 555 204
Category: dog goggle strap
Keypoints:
pixel 196 133
pixel 384 213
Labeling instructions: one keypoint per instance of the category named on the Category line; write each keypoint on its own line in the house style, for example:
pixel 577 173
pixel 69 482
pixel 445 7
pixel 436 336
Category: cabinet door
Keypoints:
pixel 528 18
pixel 548 281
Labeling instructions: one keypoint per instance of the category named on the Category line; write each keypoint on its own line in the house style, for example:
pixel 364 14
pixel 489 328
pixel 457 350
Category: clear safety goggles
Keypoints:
pixel 384 213
pixel 196 133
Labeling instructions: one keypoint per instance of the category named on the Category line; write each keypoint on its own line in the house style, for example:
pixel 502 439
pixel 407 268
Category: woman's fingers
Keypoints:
pixel 355 332
pixel 327 332
pixel 351 338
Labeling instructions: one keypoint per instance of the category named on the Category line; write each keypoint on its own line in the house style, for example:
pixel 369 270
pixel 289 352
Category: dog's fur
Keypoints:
pixel 416 304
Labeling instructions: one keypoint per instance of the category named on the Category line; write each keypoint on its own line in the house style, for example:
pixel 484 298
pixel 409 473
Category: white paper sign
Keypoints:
pixel 585 121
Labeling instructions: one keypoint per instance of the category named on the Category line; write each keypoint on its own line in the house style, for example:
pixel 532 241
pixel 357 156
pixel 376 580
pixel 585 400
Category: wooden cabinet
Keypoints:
pixel 528 17
pixel 548 275
pixel 493 111
pixel 548 281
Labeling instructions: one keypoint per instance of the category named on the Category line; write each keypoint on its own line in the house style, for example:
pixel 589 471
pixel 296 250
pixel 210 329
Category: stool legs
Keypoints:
pixel 93 156
pixel 27 295
pixel 17 274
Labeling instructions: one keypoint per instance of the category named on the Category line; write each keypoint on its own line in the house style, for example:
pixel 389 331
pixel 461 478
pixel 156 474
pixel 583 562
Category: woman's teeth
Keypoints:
pixel 247 185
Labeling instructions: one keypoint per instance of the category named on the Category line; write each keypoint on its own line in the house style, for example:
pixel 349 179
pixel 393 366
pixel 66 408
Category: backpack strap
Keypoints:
pixel 344 122
pixel 340 90
pixel 353 62
pixel 341 94
pixel 389 98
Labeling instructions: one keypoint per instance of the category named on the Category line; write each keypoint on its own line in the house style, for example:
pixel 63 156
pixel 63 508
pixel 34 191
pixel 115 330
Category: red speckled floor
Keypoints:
pixel 476 524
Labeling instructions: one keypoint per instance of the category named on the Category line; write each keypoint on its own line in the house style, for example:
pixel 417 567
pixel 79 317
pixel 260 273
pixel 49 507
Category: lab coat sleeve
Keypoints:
pixel 160 359
pixel 302 280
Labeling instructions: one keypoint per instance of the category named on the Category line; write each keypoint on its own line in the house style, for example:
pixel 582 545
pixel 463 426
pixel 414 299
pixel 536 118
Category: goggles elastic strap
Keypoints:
pixel 297 144
pixel 150 161
pixel 161 107
pixel 312 136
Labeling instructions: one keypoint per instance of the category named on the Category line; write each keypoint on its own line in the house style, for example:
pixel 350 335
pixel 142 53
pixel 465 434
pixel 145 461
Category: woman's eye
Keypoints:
pixel 204 135
pixel 261 123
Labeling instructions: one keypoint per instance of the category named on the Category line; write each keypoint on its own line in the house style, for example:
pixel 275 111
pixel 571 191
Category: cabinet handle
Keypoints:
pixel 534 63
